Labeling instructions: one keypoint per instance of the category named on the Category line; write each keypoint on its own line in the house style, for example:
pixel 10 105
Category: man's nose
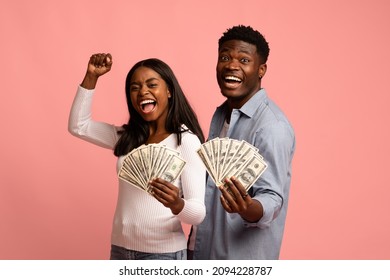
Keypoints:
pixel 232 64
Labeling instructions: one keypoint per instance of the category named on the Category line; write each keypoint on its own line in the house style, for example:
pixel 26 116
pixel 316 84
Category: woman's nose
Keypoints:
pixel 143 90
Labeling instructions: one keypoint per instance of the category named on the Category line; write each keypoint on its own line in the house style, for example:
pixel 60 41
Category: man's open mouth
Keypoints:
pixel 232 79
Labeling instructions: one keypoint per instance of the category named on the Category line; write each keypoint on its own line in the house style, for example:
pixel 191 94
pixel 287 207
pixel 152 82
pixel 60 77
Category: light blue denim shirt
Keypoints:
pixel 227 236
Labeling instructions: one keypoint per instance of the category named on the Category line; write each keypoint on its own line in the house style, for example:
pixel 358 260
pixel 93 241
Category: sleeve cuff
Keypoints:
pixel 267 218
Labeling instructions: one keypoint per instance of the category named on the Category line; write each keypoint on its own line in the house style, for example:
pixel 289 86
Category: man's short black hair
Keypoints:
pixel 249 35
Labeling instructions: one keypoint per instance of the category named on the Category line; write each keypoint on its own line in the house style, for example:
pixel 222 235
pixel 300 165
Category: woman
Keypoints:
pixel 147 226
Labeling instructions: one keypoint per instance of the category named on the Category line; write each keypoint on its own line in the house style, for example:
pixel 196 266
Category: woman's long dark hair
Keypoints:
pixel 136 131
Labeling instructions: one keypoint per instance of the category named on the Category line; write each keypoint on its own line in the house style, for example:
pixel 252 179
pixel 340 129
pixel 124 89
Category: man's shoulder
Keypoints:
pixel 271 113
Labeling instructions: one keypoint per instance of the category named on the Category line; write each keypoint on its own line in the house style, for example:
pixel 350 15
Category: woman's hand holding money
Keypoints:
pixel 167 194
pixel 235 199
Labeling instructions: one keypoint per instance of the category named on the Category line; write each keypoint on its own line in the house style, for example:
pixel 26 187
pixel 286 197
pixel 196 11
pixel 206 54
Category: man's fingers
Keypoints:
pixel 225 205
pixel 234 196
pixel 232 189
pixel 228 197
pixel 242 191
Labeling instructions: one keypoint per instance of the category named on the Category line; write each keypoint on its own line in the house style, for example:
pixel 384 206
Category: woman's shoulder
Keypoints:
pixel 189 142
pixel 188 135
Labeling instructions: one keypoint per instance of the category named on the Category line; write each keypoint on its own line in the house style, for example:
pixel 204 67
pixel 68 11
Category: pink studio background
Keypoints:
pixel 328 69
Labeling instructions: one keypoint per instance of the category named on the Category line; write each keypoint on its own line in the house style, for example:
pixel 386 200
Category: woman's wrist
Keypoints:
pixel 89 81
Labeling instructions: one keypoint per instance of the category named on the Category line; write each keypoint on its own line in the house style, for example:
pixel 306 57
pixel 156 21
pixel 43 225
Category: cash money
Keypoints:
pixel 148 162
pixel 226 157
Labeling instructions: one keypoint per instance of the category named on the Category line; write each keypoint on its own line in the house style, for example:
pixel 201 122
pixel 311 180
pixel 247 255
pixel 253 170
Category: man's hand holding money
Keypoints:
pixel 235 199
pixel 234 165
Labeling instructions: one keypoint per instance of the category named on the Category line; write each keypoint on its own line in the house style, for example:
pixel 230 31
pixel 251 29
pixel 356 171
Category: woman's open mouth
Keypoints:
pixel 147 106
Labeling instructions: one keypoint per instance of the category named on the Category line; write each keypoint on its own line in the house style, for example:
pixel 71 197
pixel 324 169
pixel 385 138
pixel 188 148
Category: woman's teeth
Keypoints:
pixel 147 105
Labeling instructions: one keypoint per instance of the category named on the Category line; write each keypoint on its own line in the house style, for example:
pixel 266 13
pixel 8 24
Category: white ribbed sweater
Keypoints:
pixel 142 223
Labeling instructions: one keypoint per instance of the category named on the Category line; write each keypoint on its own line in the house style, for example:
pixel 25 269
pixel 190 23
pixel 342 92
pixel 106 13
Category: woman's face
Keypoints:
pixel 149 95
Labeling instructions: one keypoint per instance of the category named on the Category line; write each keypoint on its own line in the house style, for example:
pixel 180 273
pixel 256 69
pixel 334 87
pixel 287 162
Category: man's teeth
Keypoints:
pixel 232 78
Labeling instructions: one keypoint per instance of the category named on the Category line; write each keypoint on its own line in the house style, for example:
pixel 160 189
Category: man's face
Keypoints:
pixel 239 69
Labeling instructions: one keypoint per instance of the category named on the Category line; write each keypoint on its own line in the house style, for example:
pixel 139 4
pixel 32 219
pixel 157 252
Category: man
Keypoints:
pixel 238 225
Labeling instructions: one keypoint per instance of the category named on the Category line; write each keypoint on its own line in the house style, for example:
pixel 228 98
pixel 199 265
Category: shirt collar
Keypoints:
pixel 250 107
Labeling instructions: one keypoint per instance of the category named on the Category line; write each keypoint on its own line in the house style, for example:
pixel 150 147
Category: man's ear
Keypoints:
pixel 262 70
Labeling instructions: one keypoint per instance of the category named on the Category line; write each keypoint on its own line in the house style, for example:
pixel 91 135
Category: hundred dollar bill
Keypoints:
pixel 239 159
pixel 135 161
pixel 171 170
pixel 128 173
pixel 226 157
pixel 143 152
pixel 208 153
pixel 165 157
pixel 131 166
pixel 224 146
pixel 207 163
pixel 216 154
pixel 148 162
pixel 234 147
pixel 251 171
pixel 156 151
pixel 123 175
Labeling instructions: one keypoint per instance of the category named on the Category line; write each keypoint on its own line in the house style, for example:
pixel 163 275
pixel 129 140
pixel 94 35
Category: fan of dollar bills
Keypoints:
pixel 148 162
pixel 226 157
